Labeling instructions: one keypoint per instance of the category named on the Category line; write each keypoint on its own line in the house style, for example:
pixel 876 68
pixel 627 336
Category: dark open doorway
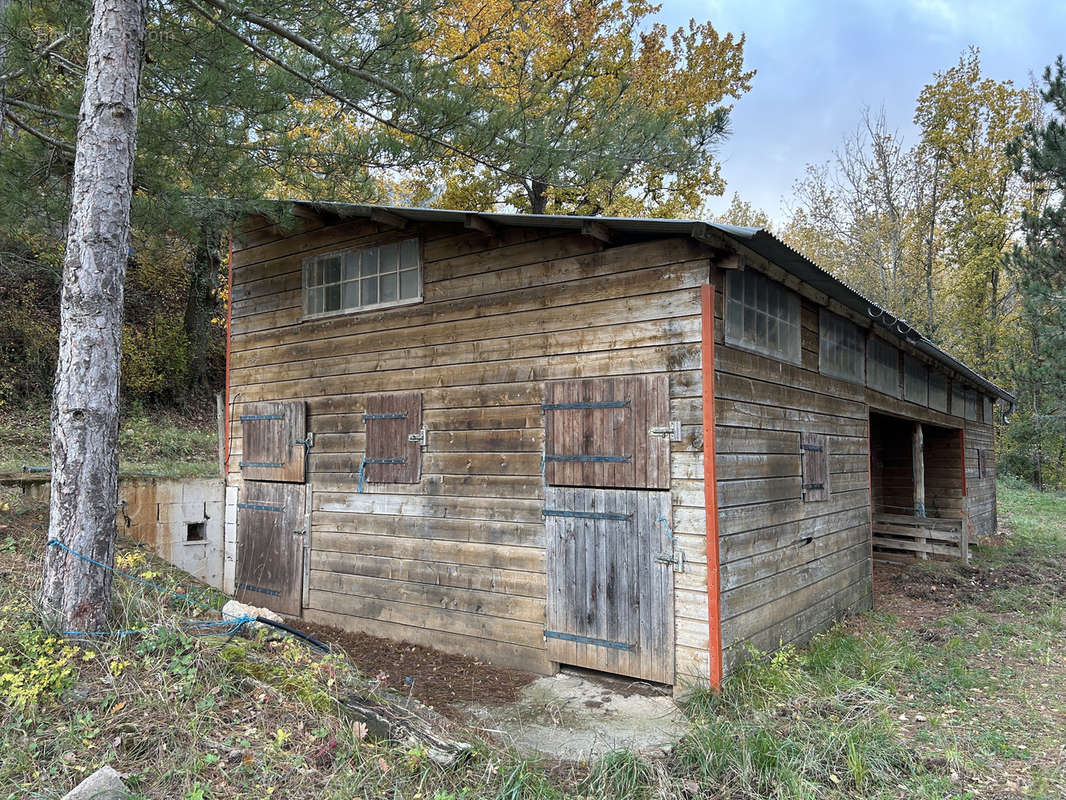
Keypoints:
pixel 917 486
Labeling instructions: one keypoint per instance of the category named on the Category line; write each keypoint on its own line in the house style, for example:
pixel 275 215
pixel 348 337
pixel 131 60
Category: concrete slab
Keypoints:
pixel 577 716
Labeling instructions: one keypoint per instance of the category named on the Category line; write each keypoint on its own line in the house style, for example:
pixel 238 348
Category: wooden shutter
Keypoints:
pixel 391 457
pixel 597 432
pixel 814 448
pixel 272 446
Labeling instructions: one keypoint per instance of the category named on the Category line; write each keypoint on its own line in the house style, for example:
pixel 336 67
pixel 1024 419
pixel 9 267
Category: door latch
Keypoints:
pixel 676 558
pixel 299 533
pixel 671 432
pixel 421 437
pixel 309 442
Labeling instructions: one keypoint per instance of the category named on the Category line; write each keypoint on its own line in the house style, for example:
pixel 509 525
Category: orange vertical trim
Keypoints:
pixel 710 491
pixel 229 326
pixel 962 448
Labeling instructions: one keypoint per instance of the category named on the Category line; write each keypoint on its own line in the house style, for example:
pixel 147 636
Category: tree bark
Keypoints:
pixel 535 190
pixel 75 593
pixel 4 6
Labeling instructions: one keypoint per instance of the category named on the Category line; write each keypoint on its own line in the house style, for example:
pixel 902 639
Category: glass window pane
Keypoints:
pixel 390 257
pixel 370 291
pixel 370 261
pixel 409 253
pixel 409 284
pixel 351 294
pixel 320 271
pixel 333 297
pixel 351 265
pixel 388 287
pixel 333 269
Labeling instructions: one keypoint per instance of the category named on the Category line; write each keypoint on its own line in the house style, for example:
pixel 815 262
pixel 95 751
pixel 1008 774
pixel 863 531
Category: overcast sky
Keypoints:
pixel 820 62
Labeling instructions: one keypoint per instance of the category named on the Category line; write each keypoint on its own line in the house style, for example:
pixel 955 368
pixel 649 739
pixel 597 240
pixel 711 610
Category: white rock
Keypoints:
pixel 104 784
pixel 234 609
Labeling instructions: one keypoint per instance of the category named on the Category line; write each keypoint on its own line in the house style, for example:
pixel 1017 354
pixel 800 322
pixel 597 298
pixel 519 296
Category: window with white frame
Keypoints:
pixel 841 348
pixel 762 315
pixel 882 366
pixel 362 278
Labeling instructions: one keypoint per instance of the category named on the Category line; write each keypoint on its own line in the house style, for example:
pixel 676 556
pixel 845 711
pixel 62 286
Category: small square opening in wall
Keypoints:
pixel 196 531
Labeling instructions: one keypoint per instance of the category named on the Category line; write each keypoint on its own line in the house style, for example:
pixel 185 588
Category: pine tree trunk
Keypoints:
pixel 75 594
pixel 4 6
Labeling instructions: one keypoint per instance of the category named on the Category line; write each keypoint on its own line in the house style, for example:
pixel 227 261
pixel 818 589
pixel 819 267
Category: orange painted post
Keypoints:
pixel 710 491
pixel 962 448
pixel 229 325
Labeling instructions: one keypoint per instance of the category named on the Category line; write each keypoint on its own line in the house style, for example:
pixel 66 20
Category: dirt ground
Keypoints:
pixel 442 681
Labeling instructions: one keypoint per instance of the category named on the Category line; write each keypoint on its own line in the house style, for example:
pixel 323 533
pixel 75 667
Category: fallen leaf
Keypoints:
pixel 359 730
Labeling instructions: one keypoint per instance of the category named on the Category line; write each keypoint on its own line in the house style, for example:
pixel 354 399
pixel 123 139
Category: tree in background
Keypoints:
pixel 859 215
pixel 619 117
pixel 923 229
pixel 741 212
pixel 967 121
pixel 561 107
pixel 1037 436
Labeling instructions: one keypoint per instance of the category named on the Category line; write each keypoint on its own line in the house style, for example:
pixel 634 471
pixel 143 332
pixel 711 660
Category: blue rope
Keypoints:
pixel 669 532
pixel 235 624
pixel 142 581
pixel 362 466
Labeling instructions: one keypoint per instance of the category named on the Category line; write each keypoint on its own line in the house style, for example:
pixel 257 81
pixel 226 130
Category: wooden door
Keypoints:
pixel 610 584
pixel 270 546
pixel 272 441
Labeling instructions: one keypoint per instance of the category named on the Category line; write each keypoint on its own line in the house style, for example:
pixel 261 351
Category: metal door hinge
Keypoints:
pixel 671 431
pixel 421 437
pixel 677 558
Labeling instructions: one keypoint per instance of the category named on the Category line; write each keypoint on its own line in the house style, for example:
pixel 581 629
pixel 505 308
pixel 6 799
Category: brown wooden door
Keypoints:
pixel 272 441
pixel 598 432
pixel 610 588
pixel 270 545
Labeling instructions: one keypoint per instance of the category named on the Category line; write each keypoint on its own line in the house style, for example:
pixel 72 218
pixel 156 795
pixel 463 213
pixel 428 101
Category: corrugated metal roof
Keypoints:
pixel 757 239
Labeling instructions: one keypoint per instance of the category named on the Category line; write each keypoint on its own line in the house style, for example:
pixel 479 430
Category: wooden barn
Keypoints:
pixel 500 435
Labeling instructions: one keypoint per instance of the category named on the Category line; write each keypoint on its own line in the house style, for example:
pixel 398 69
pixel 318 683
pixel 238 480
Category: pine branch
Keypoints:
pixel 50 112
pixel 310 47
pixel 18 122
pixel 346 101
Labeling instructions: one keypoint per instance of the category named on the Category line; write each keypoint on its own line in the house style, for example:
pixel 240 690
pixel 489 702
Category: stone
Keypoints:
pixel 104 784
pixel 234 609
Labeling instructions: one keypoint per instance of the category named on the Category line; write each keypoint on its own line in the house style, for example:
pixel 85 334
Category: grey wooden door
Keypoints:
pixel 610 591
pixel 270 545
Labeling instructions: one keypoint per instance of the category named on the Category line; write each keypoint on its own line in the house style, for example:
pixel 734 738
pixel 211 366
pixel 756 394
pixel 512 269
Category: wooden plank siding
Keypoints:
pixel 457 560
pixel 790 568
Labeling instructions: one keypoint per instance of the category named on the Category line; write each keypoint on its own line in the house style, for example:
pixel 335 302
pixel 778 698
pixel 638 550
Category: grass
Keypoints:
pixel 956 690
pixel 171 444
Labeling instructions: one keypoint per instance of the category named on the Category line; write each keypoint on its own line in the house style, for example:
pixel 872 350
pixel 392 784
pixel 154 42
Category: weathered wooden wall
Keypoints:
pixel 789 567
pixel 980 490
pixel 457 561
